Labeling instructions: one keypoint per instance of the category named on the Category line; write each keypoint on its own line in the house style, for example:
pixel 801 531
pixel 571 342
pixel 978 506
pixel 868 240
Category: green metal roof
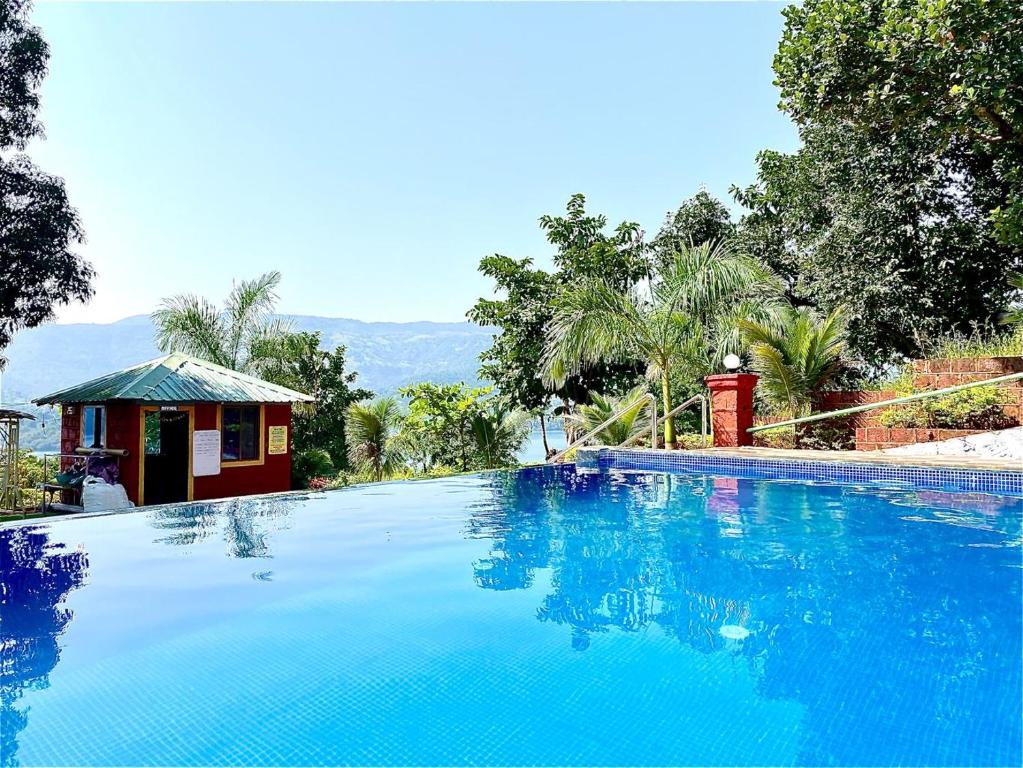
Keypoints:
pixel 176 378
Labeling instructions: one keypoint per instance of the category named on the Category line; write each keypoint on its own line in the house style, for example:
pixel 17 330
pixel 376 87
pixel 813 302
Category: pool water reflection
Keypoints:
pixel 532 617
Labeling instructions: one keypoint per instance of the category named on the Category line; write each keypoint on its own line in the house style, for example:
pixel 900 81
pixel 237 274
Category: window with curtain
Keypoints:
pixel 240 430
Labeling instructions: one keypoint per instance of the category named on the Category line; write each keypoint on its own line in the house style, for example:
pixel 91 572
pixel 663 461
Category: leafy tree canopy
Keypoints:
pixel 39 229
pixel 889 208
pixel 305 366
pixel 453 425
pixel 949 69
pixel 583 250
pixel 700 219
pixel 893 231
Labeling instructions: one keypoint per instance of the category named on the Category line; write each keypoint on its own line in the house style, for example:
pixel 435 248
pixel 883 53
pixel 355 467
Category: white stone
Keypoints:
pixel 1003 444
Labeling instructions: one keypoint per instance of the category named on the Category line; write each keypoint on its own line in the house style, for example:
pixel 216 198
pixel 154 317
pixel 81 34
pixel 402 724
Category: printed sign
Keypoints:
pixel 278 442
pixel 205 452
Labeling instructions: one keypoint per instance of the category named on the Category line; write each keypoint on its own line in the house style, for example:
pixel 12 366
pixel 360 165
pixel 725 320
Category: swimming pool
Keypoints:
pixel 545 616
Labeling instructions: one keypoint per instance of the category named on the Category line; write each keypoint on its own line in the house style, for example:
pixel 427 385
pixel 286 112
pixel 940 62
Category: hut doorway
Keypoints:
pixel 166 440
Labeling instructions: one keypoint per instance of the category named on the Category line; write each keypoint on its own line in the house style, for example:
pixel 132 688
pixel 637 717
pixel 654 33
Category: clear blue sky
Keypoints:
pixel 373 153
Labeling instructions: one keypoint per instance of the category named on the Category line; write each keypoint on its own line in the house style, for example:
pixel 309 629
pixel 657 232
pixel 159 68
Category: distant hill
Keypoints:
pixel 385 355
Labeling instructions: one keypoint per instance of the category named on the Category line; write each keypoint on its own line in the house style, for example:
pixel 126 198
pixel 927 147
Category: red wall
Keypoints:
pixel 123 423
pixel 272 476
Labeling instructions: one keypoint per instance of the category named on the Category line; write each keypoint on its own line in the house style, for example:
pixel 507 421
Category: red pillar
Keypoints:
pixel 731 408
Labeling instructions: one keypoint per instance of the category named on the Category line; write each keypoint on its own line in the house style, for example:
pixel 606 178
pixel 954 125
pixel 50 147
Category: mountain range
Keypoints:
pixel 385 355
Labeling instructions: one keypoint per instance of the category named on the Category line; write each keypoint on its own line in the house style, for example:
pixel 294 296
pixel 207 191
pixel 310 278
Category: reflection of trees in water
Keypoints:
pixel 246 525
pixel 846 602
pixel 35 577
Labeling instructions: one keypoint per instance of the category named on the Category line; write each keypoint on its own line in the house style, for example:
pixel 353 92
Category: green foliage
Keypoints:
pixel 512 362
pixel 891 228
pixel 499 432
pixel 301 364
pixel 797 358
pixel 31 475
pixel 244 335
pixel 688 317
pixel 977 408
pixel 39 230
pixel 308 465
pixel 374 446
pixel 947 69
pixel 583 250
pixel 902 200
pixel 978 343
pixel 700 219
pixel 1014 315
pixel 824 436
pixel 452 425
pixel 631 424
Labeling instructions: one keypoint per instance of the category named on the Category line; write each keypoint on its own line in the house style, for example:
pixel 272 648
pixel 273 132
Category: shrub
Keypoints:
pixel 982 342
pixel 978 408
pixel 825 436
pixel 310 464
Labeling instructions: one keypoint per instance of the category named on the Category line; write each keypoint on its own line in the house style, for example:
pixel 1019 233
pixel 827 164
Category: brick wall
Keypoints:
pixel 870 434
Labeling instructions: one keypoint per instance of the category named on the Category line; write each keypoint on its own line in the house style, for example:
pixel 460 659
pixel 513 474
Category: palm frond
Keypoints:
pixel 249 308
pixel 192 325
pixel 373 446
pixel 593 323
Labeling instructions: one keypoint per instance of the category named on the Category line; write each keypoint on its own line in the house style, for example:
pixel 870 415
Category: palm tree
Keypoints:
pixel 374 445
pixel 499 432
pixel 684 316
pixel 603 407
pixel 244 335
pixel 798 358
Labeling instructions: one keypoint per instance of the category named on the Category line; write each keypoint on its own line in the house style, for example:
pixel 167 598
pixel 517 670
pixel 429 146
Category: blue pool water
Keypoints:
pixel 530 618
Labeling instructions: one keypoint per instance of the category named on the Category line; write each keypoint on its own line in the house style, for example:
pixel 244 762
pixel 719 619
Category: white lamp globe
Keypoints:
pixel 732 362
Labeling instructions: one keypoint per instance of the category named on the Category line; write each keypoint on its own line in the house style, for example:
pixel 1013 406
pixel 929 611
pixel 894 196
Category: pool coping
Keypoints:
pixel 967 474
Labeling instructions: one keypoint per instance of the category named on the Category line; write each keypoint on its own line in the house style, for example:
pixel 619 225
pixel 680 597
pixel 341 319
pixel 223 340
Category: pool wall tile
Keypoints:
pixel 984 481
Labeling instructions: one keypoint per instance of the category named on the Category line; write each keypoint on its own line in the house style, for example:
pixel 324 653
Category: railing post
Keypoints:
pixel 731 408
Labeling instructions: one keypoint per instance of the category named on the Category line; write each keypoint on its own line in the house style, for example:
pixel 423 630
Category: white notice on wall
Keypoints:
pixel 205 452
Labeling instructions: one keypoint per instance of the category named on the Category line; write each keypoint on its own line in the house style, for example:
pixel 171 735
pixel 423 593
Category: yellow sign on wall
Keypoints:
pixel 278 441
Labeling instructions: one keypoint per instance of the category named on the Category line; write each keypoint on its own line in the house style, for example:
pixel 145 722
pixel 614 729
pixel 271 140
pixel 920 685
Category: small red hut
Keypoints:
pixel 184 429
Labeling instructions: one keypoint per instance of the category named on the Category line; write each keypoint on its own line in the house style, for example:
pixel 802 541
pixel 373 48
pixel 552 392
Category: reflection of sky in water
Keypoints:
pixel 537 617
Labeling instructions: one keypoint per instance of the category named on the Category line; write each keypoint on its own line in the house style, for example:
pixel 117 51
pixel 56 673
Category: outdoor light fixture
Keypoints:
pixel 732 362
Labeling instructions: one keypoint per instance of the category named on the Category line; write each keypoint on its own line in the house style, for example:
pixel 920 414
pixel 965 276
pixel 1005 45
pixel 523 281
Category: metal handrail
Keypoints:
pixel 894 401
pixel 647 398
pixel 676 411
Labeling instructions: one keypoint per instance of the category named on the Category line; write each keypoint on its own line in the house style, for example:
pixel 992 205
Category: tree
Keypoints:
pixel 39 229
pixel 797 359
pixel 373 445
pixel 685 315
pixel 905 202
pixel 499 431
pixel 461 427
pixel 304 366
pixel 243 336
pixel 700 219
pixel 949 69
pixel 583 249
pixel 890 228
